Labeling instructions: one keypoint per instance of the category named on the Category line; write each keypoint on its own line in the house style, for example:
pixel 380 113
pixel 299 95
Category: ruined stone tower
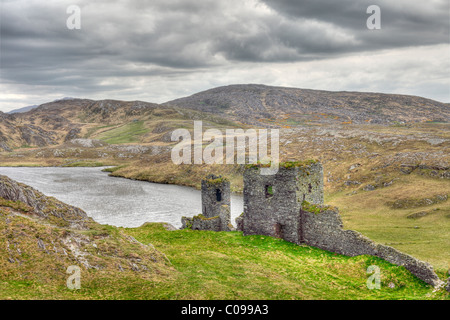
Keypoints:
pixel 215 194
pixel 216 199
pixel 272 203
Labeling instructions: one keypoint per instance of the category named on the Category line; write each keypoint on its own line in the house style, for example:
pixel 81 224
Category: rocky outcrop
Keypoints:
pixel 44 207
pixel 414 203
pixel 88 143
pixel 3 143
pixel 73 133
pixel 36 136
pixel 4 146
pixel 41 236
pixel 434 171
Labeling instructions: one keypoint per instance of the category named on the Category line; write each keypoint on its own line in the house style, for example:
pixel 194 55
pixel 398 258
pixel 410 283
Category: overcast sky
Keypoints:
pixel 159 50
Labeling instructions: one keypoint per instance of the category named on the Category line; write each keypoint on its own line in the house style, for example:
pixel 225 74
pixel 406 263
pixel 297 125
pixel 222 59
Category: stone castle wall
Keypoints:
pixel 294 212
pixel 272 203
pixel 324 230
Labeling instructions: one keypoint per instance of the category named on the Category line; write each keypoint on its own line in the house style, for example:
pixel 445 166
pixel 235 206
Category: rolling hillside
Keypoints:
pixel 58 121
pixel 54 123
pixel 254 102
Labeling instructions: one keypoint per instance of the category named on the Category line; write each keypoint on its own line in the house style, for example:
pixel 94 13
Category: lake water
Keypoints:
pixel 116 201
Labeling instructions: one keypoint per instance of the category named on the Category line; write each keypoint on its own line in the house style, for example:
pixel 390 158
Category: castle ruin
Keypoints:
pixel 272 203
pixel 289 205
pixel 216 199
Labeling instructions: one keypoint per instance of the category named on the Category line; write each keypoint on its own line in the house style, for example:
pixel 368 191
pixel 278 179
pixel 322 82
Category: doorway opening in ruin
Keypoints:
pixel 279 230
pixel 301 238
pixel 218 195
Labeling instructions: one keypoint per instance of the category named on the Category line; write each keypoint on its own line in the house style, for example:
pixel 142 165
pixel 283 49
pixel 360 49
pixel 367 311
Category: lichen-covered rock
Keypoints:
pixel 186 222
pixel 45 207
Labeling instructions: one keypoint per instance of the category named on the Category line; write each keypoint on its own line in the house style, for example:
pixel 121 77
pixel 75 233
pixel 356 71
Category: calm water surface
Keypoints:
pixel 116 201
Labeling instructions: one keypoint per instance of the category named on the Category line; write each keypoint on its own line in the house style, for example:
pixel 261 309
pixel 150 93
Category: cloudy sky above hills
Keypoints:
pixel 159 50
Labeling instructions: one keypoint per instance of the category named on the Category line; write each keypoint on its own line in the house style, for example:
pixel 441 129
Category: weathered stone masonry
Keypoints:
pixel 289 205
pixel 272 203
pixel 216 199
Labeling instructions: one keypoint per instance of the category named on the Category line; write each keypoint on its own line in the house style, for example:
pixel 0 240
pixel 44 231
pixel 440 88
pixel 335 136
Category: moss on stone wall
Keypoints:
pixel 296 164
pixel 202 217
pixel 287 165
pixel 316 209
pixel 215 180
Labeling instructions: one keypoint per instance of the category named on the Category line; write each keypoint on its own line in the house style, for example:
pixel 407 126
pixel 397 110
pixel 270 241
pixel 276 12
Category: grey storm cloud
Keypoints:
pixel 161 38
pixel 408 22
pixel 189 34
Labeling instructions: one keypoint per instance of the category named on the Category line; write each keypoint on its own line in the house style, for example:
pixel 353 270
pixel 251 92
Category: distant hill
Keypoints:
pixel 253 103
pixel 24 109
pixel 29 108
pixel 113 121
pixel 117 121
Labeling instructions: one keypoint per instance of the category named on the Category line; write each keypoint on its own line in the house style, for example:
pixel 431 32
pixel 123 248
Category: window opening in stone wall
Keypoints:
pixel 269 191
pixel 218 195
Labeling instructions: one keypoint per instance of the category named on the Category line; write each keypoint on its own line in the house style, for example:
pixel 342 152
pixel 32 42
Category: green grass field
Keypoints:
pixel 128 133
pixel 228 265
pixel 199 265
pixel 426 238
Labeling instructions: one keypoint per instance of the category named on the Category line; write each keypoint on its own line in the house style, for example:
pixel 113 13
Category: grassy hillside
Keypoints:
pixel 127 133
pixel 227 265
pixel 34 259
pixel 199 265
pixel 41 237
